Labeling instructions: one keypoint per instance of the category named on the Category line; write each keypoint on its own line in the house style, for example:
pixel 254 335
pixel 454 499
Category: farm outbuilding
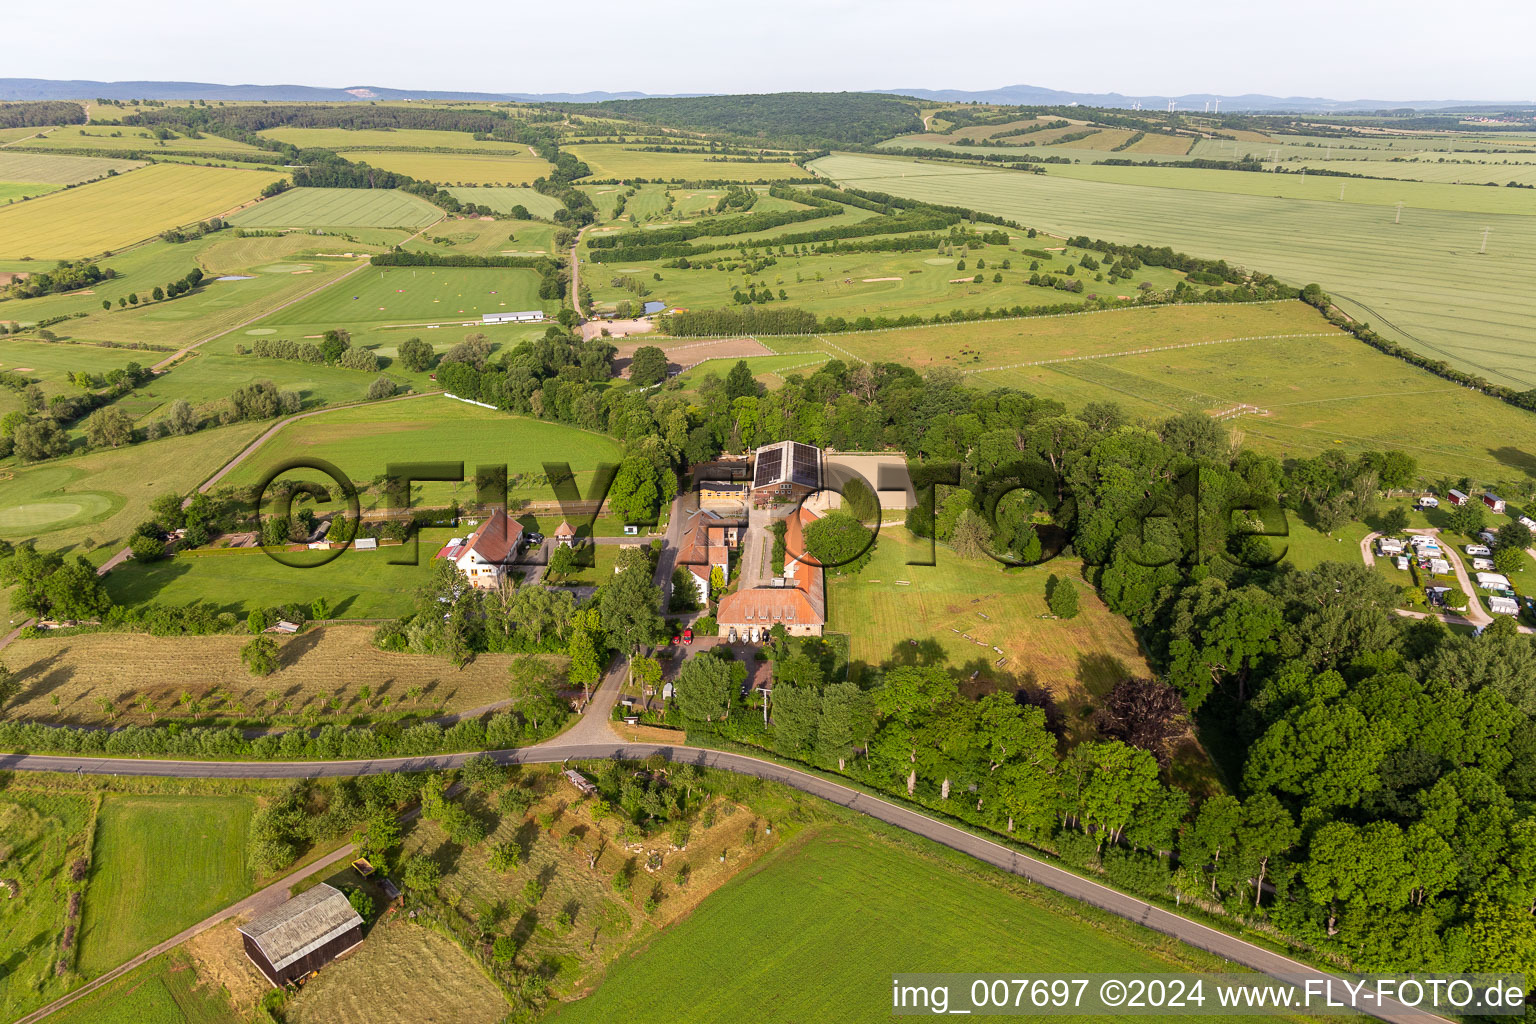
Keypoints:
pixel 1457 498
pixel 1493 501
pixel 519 317
pixel 302 935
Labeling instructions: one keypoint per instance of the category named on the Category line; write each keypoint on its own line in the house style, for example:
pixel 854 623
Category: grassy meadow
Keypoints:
pixel 339 208
pixel 129 138
pixel 858 908
pixel 161 863
pixel 42 834
pixel 119 211
pixel 402 295
pixel 517 166
pixel 612 160
pixel 503 198
pixel 166 990
pixel 341 140
pixel 1422 280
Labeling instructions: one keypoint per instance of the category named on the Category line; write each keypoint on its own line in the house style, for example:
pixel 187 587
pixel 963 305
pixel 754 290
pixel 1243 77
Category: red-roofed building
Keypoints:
pixel 797 600
pixel 485 555
pixel 707 542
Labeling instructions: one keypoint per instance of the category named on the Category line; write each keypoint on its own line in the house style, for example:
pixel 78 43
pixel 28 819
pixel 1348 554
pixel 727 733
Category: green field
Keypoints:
pixel 340 140
pixel 127 138
pixel 97 499
pixel 503 198
pixel 161 863
pixel 339 208
pixel 42 834
pixel 609 160
pixel 361 441
pixel 10 191
pixel 405 295
pixel 816 929
pixel 166 990
pixel 58 170
pixel 517 166
pixel 1423 278
pixel 115 212
pixel 50 363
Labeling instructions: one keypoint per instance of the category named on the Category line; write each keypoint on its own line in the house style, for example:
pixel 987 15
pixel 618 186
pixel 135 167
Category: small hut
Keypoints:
pixel 565 536
pixel 302 935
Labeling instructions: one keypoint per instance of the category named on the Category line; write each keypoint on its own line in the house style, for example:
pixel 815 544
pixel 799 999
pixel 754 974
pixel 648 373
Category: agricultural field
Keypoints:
pixel 752 940
pixel 119 211
pixel 11 191
pixel 160 863
pixel 403 973
pixel 342 140
pixel 315 667
pixel 96 500
pixel 42 833
pixel 58 170
pixel 515 167
pixel 485 237
pixel 611 160
pixel 166 990
pixel 128 138
pixel 503 198
pixel 361 441
pixel 339 208
pixel 410 295
pixel 967 607
pixel 1423 281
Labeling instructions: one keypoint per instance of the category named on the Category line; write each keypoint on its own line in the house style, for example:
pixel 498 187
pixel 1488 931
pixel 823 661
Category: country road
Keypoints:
pixel 565 747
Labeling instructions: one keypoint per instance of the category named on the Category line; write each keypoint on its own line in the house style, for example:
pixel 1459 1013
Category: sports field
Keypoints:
pixel 1423 280
pixel 43 833
pixel 119 211
pixel 502 199
pixel 362 441
pixel 339 208
pixel 609 160
pixel 58 170
pixel 516 167
pixel 97 499
pixel 404 295
pixel 816 929
pixel 166 990
pixel 160 864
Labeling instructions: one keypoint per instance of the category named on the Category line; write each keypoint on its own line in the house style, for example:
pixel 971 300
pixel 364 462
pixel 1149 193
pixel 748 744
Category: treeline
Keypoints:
pixel 40 114
pixel 308 352
pixel 68 276
pixel 797 120
pixel 820 206
pixel 554 275
pixel 1314 295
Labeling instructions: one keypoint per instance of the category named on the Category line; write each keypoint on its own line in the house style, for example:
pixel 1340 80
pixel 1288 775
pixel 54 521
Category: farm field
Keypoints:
pixel 362 440
pixel 166 990
pixel 516 167
pixel 10 191
pixel 58 170
pixel 1075 660
pixel 315 667
pixel 1497 170
pixel 474 236
pixel 127 138
pixel 97 499
pixel 403 973
pixel 44 832
pixel 405 295
pixel 119 211
pixel 339 208
pixel 1423 280
pixel 503 198
pixel 610 160
pixel 160 864
pixel 340 140
pixel 751 942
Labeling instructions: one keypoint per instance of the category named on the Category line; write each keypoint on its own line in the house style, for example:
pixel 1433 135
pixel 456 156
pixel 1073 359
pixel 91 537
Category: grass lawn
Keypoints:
pixel 403 295
pixel 1074 659
pixel 815 930
pixel 97 499
pixel 403 973
pixel 1422 280
pixel 125 669
pixel 339 207
pixel 609 160
pixel 517 166
pixel 166 990
pixel 42 832
pixel 115 212
pixel 363 440
pixel 161 863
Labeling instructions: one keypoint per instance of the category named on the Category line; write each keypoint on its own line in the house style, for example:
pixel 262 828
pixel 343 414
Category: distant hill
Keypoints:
pixel 12 89
pixel 1032 95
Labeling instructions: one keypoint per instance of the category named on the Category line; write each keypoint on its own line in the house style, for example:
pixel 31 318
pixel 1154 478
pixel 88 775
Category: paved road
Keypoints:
pixel 572 746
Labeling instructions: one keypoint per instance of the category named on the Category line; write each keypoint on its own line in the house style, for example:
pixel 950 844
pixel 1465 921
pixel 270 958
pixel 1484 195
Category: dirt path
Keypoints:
pixel 576 275
pixel 28 138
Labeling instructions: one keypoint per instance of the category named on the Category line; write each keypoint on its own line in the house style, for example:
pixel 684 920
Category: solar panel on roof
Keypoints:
pixel 769 464
pixel 806 467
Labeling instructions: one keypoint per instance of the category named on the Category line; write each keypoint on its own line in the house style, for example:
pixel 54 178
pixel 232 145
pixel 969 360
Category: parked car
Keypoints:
pixel 535 537
pixel 688 635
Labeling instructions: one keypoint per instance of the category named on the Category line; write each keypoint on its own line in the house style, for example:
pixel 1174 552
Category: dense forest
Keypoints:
pixel 801 120
pixel 40 113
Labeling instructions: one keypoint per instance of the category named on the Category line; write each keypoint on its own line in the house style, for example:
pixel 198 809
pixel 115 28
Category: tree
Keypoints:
pixel 636 492
pixel 379 835
pixel 704 688
pixel 416 355
pixel 1062 598
pixel 1514 535
pixel 839 542
pixel 360 900
pixel 1143 712
pixel 972 535
pixel 740 383
pixel 39 438
pixel 1467 518
pixel 381 388
pixel 146 548
pixel 1196 435
pixel 260 655
pixel 1394 521
pixel 422 874
pixel 181 419
pixel 109 427
pixel 627 603
pixel 562 562
pixel 647 366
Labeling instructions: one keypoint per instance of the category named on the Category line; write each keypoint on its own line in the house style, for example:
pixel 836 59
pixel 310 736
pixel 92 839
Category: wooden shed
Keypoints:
pixel 302 935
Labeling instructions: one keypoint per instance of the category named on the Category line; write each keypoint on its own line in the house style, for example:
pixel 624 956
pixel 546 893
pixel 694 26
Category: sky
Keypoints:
pixel 1340 49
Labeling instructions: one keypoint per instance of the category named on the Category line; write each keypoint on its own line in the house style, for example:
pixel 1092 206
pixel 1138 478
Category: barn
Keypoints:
pixel 302 935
